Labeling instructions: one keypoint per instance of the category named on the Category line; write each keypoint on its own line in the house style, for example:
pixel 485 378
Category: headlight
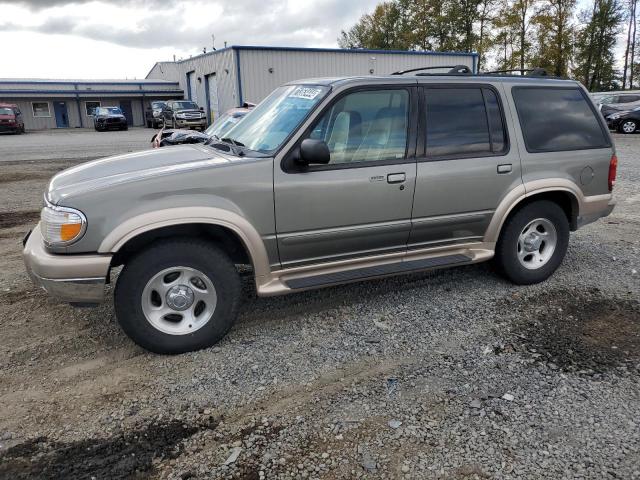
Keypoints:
pixel 180 115
pixel 61 225
pixel 614 116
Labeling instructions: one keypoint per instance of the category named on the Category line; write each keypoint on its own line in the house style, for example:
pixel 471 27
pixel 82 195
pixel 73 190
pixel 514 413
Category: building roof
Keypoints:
pixel 326 50
pixel 67 81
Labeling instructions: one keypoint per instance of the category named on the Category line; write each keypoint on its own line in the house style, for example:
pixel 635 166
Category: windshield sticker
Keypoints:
pixel 308 93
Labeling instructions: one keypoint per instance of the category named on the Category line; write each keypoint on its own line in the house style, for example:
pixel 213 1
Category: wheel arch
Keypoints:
pixel 565 196
pixel 228 229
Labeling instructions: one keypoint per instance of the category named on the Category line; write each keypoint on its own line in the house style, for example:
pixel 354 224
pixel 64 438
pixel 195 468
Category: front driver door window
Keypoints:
pixel 360 203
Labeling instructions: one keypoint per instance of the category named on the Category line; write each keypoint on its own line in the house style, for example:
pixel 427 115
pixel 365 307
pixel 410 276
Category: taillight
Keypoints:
pixel 613 169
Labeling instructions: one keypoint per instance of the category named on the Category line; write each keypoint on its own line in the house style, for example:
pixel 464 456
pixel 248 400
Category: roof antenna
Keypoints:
pixel 213 42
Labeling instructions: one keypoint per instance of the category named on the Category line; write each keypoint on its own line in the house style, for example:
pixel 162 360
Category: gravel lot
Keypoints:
pixel 454 374
pixel 79 144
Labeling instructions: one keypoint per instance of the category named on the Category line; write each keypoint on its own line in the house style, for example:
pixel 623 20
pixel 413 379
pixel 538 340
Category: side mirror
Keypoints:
pixel 314 151
pixel 202 109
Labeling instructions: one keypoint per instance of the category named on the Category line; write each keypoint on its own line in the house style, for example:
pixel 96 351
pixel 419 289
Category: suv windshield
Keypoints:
pixel 157 105
pixel 185 106
pixel 109 111
pixel 269 124
pixel 6 111
pixel 221 126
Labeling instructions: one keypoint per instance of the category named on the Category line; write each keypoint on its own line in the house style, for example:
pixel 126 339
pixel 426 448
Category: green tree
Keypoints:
pixel 485 40
pixel 381 29
pixel 517 18
pixel 555 32
pixel 596 41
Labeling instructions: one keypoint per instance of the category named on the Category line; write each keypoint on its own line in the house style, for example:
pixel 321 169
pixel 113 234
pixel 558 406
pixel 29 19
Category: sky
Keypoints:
pixel 124 38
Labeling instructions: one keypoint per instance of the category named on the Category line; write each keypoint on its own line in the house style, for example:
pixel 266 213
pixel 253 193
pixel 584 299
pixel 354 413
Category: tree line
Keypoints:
pixel 514 34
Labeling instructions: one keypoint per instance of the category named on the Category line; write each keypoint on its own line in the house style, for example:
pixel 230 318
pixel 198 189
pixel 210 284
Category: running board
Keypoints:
pixel 376 271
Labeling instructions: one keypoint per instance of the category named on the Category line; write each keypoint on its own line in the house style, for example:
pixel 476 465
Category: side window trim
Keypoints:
pixel 599 118
pixel 422 126
pixel 412 133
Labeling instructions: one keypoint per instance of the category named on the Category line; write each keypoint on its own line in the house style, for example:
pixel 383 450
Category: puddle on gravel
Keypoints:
pixel 129 455
pixel 15 219
pixel 580 331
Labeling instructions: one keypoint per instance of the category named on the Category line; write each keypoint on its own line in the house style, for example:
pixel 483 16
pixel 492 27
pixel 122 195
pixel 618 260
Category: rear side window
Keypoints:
pixel 557 119
pixel 463 122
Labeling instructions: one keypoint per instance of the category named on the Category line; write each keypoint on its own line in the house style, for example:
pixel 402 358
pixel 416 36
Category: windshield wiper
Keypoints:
pixel 233 142
pixel 212 138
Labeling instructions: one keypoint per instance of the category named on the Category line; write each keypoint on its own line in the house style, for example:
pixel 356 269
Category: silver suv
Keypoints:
pixel 328 181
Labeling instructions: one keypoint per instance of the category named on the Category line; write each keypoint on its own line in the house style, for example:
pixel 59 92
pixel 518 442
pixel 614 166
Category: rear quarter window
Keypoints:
pixel 557 119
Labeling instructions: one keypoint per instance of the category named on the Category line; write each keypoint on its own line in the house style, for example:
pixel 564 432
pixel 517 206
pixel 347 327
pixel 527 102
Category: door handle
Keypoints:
pixel 505 168
pixel 396 178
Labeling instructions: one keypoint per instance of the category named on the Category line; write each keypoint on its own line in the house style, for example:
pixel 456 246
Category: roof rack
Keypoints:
pixel 453 69
pixel 465 70
pixel 531 72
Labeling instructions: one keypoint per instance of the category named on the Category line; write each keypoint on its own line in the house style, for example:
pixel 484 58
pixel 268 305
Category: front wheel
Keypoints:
pixel 533 243
pixel 628 126
pixel 178 296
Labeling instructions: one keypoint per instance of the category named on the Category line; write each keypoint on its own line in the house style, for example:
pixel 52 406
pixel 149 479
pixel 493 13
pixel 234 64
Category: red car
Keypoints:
pixel 11 118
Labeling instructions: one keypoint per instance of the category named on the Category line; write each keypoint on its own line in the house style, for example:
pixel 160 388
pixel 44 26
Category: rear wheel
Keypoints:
pixel 627 126
pixel 533 243
pixel 178 296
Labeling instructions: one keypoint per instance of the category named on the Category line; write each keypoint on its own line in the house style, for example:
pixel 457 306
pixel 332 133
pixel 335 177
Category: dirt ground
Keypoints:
pixel 486 379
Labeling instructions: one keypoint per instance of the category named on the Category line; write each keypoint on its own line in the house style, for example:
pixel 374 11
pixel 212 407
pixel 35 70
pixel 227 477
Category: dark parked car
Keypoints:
pixel 218 129
pixel 11 118
pixel 626 121
pixel 184 114
pixel 618 102
pixel 109 118
pixel 153 115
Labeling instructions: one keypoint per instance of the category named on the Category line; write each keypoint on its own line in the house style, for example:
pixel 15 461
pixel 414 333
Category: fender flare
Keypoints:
pixel 154 220
pixel 527 190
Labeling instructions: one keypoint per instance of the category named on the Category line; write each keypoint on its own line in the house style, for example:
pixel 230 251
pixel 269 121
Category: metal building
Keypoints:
pixel 223 79
pixel 70 103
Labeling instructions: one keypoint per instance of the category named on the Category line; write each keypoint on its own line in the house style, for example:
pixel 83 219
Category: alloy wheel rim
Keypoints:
pixel 629 127
pixel 179 300
pixel 536 243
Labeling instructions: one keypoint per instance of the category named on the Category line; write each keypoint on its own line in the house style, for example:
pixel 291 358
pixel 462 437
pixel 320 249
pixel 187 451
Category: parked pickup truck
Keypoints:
pixel 183 114
pixel 327 182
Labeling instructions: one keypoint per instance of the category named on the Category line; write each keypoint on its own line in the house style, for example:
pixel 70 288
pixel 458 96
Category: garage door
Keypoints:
pixel 191 87
pixel 212 100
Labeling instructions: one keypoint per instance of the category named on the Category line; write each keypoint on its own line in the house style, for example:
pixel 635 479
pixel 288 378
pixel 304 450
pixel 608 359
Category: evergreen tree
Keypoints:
pixel 595 62
pixel 555 32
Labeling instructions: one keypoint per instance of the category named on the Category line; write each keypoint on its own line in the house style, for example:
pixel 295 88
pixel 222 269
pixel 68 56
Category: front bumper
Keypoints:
pixel 613 124
pixel 192 123
pixel 68 278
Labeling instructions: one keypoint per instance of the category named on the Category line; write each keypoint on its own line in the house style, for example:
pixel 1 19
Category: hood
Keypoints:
pixel 7 117
pixel 131 167
pixel 188 110
pixel 111 115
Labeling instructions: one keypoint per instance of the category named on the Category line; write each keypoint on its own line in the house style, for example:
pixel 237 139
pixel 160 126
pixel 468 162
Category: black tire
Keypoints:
pixel 193 253
pixel 125 128
pixel 506 255
pixel 149 124
pixel 629 123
